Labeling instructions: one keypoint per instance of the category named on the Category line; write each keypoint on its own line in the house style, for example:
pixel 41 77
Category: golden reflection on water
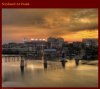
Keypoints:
pixel 36 76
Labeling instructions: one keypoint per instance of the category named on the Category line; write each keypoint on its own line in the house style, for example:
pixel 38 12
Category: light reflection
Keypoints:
pixel 30 67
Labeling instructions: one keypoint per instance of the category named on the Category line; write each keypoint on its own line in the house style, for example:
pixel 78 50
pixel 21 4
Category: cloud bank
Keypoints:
pixel 47 22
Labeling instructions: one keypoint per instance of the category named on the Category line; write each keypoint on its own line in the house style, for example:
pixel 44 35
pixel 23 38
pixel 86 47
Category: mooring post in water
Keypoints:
pixel 44 58
pixel 5 59
pixel 14 58
pixel 77 58
pixel 8 59
pixel 18 58
pixel 63 60
pixel 45 64
pixel 22 66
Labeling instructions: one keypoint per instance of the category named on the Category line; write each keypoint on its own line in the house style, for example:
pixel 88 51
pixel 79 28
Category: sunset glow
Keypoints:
pixel 80 35
pixel 70 24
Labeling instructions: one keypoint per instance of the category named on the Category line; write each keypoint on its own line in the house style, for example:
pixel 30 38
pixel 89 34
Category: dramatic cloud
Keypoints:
pixel 42 23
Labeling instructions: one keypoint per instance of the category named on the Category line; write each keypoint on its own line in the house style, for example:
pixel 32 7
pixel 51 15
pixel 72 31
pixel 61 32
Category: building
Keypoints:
pixel 55 42
pixel 90 42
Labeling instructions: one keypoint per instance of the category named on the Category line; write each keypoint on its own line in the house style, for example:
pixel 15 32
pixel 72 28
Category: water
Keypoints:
pixel 54 76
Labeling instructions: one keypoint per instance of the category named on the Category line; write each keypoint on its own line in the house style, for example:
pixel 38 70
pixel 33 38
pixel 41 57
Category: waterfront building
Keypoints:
pixel 55 42
pixel 90 42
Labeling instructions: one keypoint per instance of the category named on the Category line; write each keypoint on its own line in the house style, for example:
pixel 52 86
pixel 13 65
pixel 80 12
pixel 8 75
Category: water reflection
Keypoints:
pixel 35 76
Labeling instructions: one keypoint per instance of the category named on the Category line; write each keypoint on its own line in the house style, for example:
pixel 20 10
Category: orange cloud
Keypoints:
pixel 78 36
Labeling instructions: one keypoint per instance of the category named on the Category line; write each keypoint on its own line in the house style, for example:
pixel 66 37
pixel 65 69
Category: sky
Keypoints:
pixel 70 24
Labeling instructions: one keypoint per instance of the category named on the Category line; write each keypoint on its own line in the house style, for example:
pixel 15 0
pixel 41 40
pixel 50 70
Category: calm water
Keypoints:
pixel 54 76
